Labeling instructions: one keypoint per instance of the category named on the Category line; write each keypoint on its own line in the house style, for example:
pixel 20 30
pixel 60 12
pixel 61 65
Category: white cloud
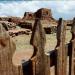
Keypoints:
pixel 17 8
pixel 65 9
pixel 66 6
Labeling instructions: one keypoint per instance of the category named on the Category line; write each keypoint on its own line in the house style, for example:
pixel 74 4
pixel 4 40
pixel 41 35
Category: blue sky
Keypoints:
pixel 64 9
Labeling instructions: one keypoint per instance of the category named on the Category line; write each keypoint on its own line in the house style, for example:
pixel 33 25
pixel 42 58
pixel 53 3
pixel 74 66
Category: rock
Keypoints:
pixel 11 19
pixel 14 19
pixel 43 13
pixel 28 16
pixel 8 25
pixel 16 32
pixel 3 18
pixel 25 25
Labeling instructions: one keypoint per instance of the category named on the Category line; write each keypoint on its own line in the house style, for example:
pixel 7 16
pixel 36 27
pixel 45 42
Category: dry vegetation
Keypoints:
pixel 23 41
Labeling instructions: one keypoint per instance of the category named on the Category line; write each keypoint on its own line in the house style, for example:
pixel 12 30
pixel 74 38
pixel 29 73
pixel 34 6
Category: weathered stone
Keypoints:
pixel 16 32
pixel 25 25
pixel 28 16
pixel 11 19
pixel 43 13
pixel 8 25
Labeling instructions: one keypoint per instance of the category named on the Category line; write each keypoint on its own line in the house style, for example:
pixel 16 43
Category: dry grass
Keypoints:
pixel 23 41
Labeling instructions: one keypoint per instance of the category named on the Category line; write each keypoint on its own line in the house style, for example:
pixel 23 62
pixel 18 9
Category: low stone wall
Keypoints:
pixel 49 30
pixel 25 25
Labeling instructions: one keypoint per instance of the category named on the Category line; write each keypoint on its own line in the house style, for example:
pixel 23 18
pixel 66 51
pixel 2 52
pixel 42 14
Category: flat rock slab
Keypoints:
pixel 21 56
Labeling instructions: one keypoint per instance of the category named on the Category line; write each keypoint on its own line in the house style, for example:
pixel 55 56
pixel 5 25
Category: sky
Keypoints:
pixel 60 8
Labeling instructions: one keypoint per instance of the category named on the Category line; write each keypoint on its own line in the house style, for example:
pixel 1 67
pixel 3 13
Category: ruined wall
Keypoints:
pixel 28 16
